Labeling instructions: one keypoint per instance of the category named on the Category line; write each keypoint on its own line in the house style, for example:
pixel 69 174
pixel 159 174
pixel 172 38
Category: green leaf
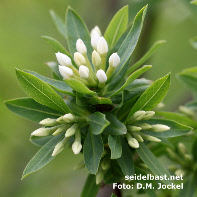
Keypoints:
pixel 30 109
pixel 113 195
pixel 116 127
pixel 126 160
pixel 127 48
pixel 147 55
pixel 93 150
pixel 194 149
pixel 178 118
pixel 176 129
pixel 152 96
pixel 76 29
pixel 79 86
pixel 40 141
pixel 97 122
pixel 90 188
pixel 55 70
pixel 59 23
pixel 59 86
pixel 193 41
pixel 42 157
pixel 41 92
pixel 131 78
pixel 117 26
pixel 194 2
pixel 115 145
pixel 152 162
pixel 100 101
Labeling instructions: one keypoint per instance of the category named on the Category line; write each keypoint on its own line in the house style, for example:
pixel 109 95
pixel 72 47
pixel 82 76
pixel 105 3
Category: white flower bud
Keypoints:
pixel 63 59
pixel 84 72
pixel 79 59
pixel 81 47
pixel 138 137
pixel 138 115
pixel 102 46
pixel 150 138
pixel 71 131
pixel 49 122
pixel 114 60
pixel 59 147
pixel 133 128
pixel 60 119
pixel 68 118
pixel 132 141
pixel 65 72
pixel 145 126
pixel 105 164
pixel 182 149
pixel 97 29
pixel 43 131
pixel 160 128
pixel 187 111
pixel 96 59
pixel 76 147
pixel 180 172
pixel 94 39
pixel 61 129
pixel 99 176
pixel 148 115
pixel 102 77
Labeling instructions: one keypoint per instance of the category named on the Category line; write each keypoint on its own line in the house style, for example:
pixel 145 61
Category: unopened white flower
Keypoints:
pixel 65 72
pixel 102 77
pixel 102 46
pixel 160 128
pixel 42 131
pixel 180 172
pixel 76 147
pixel 138 137
pixel 81 47
pixel 133 128
pixel 97 29
pixel 63 59
pixel 94 39
pixel 48 122
pixel 114 60
pixel 96 59
pixel 132 141
pixel 79 59
pixel 187 111
pixel 83 72
pixel 145 126
pixel 182 149
pixel 150 138
pixel 99 176
pixel 61 129
pixel 138 115
pixel 71 131
pixel 60 147
pixel 148 115
pixel 68 118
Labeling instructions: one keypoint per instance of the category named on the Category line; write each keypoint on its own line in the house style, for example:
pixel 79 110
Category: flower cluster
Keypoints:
pixel 92 77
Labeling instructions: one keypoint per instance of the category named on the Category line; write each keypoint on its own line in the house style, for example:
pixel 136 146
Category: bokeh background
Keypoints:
pixel 22 23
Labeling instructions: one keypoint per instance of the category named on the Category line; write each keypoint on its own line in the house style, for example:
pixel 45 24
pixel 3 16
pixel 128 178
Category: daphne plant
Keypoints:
pixel 96 103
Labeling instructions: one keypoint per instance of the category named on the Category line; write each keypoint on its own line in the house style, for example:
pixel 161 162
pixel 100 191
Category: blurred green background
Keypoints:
pixel 22 23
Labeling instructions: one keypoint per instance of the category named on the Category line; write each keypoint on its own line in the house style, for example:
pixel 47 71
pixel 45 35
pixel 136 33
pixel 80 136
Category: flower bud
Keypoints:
pixel 150 138
pixel 145 126
pixel 186 111
pixel 63 59
pixel 133 128
pixel 180 172
pixel 102 46
pixel 49 122
pixel 114 60
pixel 59 147
pixel 188 158
pixel 81 47
pixel 60 119
pixel 105 164
pixel 71 131
pixel 65 72
pixel 79 59
pixel 101 76
pixel 132 141
pixel 44 131
pixel 99 176
pixel 160 128
pixel 138 137
pixel 148 115
pixel 61 129
pixel 94 39
pixel 68 118
pixel 96 59
pixel 84 72
pixel 137 116
pixel 97 29
pixel 182 149
pixel 76 147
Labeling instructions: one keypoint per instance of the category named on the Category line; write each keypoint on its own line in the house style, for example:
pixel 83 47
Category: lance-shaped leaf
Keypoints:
pixel 30 109
pixel 79 86
pixel 152 96
pixel 97 122
pixel 127 48
pixel 131 78
pixel 176 129
pixel 147 55
pixel 117 26
pixel 115 145
pixel 76 29
pixel 152 162
pixel 126 160
pixel 93 150
pixel 59 23
pixel 42 157
pixel 40 141
pixel 60 86
pixel 41 92
pixel 100 101
pixel 90 188
pixel 116 127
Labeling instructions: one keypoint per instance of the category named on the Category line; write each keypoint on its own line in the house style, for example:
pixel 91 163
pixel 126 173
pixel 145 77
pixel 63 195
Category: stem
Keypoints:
pixel 107 191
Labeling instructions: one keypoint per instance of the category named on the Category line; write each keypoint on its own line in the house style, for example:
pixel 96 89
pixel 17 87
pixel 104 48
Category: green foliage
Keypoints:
pixel 115 145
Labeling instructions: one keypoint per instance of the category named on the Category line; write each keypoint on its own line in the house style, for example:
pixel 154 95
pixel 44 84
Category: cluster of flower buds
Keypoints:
pixel 187 112
pixel 68 124
pixel 94 76
pixel 183 160
pixel 135 128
